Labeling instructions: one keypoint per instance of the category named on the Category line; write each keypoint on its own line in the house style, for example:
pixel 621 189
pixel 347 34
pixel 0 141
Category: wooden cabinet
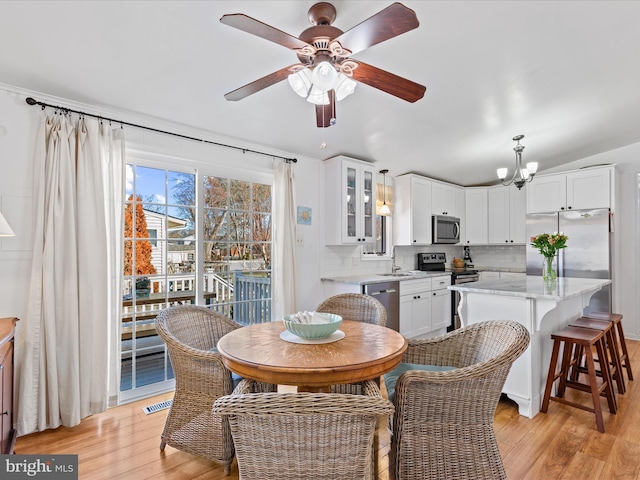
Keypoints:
pixel 446 199
pixel 412 210
pixel 350 195
pixel 425 306
pixel 506 215
pixel 576 190
pixel 8 434
pixel 476 217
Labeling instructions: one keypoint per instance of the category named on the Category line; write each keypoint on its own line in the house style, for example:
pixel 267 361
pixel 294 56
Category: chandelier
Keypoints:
pixel 521 175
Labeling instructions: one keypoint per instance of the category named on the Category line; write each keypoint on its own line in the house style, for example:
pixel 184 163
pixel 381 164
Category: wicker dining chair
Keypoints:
pixel 191 334
pixel 357 307
pixel 304 436
pixel 360 308
pixel 443 422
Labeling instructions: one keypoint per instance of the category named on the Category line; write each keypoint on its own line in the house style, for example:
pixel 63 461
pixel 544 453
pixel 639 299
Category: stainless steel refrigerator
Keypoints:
pixel 588 252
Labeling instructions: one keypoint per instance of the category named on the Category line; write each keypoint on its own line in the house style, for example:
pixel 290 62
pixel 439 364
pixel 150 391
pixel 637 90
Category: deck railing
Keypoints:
pixel 252 299
pixel 245 298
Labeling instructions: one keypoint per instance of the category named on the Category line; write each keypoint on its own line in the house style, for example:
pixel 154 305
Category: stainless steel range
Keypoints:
pixel 458 278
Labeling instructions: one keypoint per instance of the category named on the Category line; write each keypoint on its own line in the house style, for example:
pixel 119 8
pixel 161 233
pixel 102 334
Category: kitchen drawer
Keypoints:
pixel 440 282
pixel 408 287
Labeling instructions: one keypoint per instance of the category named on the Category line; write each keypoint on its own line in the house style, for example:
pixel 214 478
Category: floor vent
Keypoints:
pixel 156 407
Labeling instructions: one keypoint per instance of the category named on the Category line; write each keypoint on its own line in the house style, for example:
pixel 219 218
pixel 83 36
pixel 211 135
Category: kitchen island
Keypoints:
pixel 542 308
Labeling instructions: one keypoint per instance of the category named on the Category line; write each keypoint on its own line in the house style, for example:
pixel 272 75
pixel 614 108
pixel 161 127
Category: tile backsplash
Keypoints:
pixel 348 260
pixel 498 256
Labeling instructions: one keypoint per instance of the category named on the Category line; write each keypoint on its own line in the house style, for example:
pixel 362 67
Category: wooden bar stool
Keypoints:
pixel 616 319
pixel 572 337
pixel 612 347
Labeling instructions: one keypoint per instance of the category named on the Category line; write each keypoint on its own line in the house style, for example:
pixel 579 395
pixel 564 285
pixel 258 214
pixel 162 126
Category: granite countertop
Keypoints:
pixel 368 278
pixel 534 287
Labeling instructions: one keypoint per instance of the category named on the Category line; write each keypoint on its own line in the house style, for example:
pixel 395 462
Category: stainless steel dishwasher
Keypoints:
pixel 387 293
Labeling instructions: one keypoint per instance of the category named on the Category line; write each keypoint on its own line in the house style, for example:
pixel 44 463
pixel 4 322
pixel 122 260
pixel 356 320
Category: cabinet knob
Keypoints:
pixel 561 208
pixel 569 208
pixel 434 294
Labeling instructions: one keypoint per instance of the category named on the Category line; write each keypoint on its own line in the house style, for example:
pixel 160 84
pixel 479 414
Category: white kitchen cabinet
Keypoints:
pixel 350 194
pixel 476 216
pixel 412 210
pixel 506 215
pixel 488 275
pixel 446 199
pixel 589 188
pixel 425 306
pixel 440 303
pixel 576 190
pixel 415 307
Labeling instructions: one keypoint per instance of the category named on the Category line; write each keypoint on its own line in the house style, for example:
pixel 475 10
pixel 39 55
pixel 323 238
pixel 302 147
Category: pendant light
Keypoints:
pixel 385 211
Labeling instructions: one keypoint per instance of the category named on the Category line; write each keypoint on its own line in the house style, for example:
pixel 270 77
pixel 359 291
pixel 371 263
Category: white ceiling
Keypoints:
pixel 566 74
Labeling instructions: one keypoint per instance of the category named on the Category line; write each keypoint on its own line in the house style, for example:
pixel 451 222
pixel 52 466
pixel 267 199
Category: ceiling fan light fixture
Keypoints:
pixel 344 86
pixel 324 76
pixel 318 97
pixel 300 82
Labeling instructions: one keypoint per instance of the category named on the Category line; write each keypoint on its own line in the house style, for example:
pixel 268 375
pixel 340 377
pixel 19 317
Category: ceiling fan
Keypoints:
pixel 326 71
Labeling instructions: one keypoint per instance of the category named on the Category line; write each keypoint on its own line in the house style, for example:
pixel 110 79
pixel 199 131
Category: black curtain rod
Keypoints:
pixel 33 101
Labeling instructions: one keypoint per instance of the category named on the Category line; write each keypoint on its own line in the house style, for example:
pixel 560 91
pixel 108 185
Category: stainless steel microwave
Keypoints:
pixel 445 229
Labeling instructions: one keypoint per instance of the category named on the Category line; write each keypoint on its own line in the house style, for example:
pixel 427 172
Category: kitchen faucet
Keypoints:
pixel 394 268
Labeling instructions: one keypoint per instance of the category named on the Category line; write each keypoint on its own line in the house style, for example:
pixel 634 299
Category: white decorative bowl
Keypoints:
pixel 313 330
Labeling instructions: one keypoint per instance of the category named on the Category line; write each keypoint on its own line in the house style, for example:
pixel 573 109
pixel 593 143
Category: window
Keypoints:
pixel 188 239
pixel 153 235
pixel 383 225
pixel 237 248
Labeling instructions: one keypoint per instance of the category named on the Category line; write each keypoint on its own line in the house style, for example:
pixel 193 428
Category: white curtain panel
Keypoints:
pixel 284 241
pixel 64 346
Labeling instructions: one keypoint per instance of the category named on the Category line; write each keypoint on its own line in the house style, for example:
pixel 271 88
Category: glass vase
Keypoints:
pixel 549 269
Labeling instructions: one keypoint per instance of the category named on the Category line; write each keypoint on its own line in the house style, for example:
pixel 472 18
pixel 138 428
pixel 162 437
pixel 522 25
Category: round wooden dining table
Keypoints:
pixel 366 352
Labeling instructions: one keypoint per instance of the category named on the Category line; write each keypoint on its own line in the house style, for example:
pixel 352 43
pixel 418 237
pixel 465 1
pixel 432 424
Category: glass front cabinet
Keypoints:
pixel 350 193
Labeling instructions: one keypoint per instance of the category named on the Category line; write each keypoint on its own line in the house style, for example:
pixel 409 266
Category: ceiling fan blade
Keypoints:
pixel 326 113
pixel 259 29
pixel 394 20
pixel 260 84
pixel 388 82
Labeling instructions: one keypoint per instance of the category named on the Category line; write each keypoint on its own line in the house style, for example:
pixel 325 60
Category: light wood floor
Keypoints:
pixel 123 443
